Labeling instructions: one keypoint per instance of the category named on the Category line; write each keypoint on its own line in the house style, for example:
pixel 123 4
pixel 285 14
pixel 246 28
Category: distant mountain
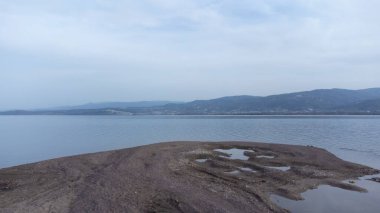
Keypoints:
pixel 322 101
pixel 372 106
pixel 309 102
pixel 115 105
pixel 68 112
pixel 220 105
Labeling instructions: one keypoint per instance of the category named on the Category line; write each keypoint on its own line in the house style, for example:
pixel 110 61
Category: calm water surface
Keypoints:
pixel 332 199
pixel 26 139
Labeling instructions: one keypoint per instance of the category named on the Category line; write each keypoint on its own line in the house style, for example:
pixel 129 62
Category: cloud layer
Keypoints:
pixel 55 52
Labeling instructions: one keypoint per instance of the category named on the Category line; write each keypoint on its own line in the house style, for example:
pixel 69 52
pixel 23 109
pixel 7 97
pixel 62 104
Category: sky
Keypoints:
pixel 68 52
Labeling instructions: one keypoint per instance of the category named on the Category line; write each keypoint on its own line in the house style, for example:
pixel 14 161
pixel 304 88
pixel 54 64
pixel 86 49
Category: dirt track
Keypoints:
pixel 166 178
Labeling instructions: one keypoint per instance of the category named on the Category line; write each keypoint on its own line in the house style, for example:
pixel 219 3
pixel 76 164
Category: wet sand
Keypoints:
pixel 167 177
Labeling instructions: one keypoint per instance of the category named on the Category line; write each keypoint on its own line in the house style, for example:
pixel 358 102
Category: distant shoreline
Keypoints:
pixel 221 115
pixel 121 113
pixel 315 102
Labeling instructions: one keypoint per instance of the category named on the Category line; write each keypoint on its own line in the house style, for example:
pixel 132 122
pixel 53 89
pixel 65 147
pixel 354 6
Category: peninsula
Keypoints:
pixel 175 177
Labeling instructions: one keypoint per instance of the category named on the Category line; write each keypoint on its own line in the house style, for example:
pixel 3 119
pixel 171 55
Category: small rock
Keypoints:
pixel 5 187
pixel 376 179
pixel 351 181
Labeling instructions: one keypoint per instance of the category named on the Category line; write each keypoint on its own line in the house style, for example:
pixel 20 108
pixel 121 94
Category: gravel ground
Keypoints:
pixel 166 177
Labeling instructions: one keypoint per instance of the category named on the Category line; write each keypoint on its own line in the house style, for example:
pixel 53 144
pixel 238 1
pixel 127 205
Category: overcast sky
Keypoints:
pixel 64 52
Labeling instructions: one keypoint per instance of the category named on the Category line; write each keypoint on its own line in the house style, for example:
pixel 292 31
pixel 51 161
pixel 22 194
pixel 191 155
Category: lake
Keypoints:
pixel 26 139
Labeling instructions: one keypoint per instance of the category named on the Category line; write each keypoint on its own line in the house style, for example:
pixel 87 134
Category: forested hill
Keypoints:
pixel 322 101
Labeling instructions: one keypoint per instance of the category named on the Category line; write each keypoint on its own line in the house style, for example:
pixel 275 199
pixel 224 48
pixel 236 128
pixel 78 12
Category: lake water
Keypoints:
pixel 332 199
pixel 26 139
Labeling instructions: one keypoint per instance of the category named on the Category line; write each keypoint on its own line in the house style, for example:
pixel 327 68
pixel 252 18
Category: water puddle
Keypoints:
pixel 265 156
pixel 235 153
pixel 331 199
pixel 201 160
pixel 235 172
pixel 246 169
pixel 282 168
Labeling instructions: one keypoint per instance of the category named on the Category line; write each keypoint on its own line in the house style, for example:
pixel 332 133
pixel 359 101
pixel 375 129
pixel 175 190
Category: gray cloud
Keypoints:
pixel 68 52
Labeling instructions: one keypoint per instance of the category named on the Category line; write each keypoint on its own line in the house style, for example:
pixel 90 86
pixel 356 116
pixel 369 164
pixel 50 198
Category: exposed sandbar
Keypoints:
pixel 167 177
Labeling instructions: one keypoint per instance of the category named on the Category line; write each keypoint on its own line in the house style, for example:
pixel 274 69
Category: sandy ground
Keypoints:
pixel 166 177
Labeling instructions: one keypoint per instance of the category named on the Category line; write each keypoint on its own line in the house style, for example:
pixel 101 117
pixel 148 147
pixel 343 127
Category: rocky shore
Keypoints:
pixel 175 177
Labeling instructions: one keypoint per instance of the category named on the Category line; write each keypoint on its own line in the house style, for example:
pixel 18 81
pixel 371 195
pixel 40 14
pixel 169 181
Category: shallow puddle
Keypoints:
pixel 235 172
pixel 246 169
pixel 265 156
pixel 201 160
pixel 332 199
pixel 282 168
pixel 235 153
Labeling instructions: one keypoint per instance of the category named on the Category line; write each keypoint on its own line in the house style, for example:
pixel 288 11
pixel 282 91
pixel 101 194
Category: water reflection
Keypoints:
pixel 235 153
pixel 282 168
pixel 201 160
pixel 246 169
pixel 332 199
